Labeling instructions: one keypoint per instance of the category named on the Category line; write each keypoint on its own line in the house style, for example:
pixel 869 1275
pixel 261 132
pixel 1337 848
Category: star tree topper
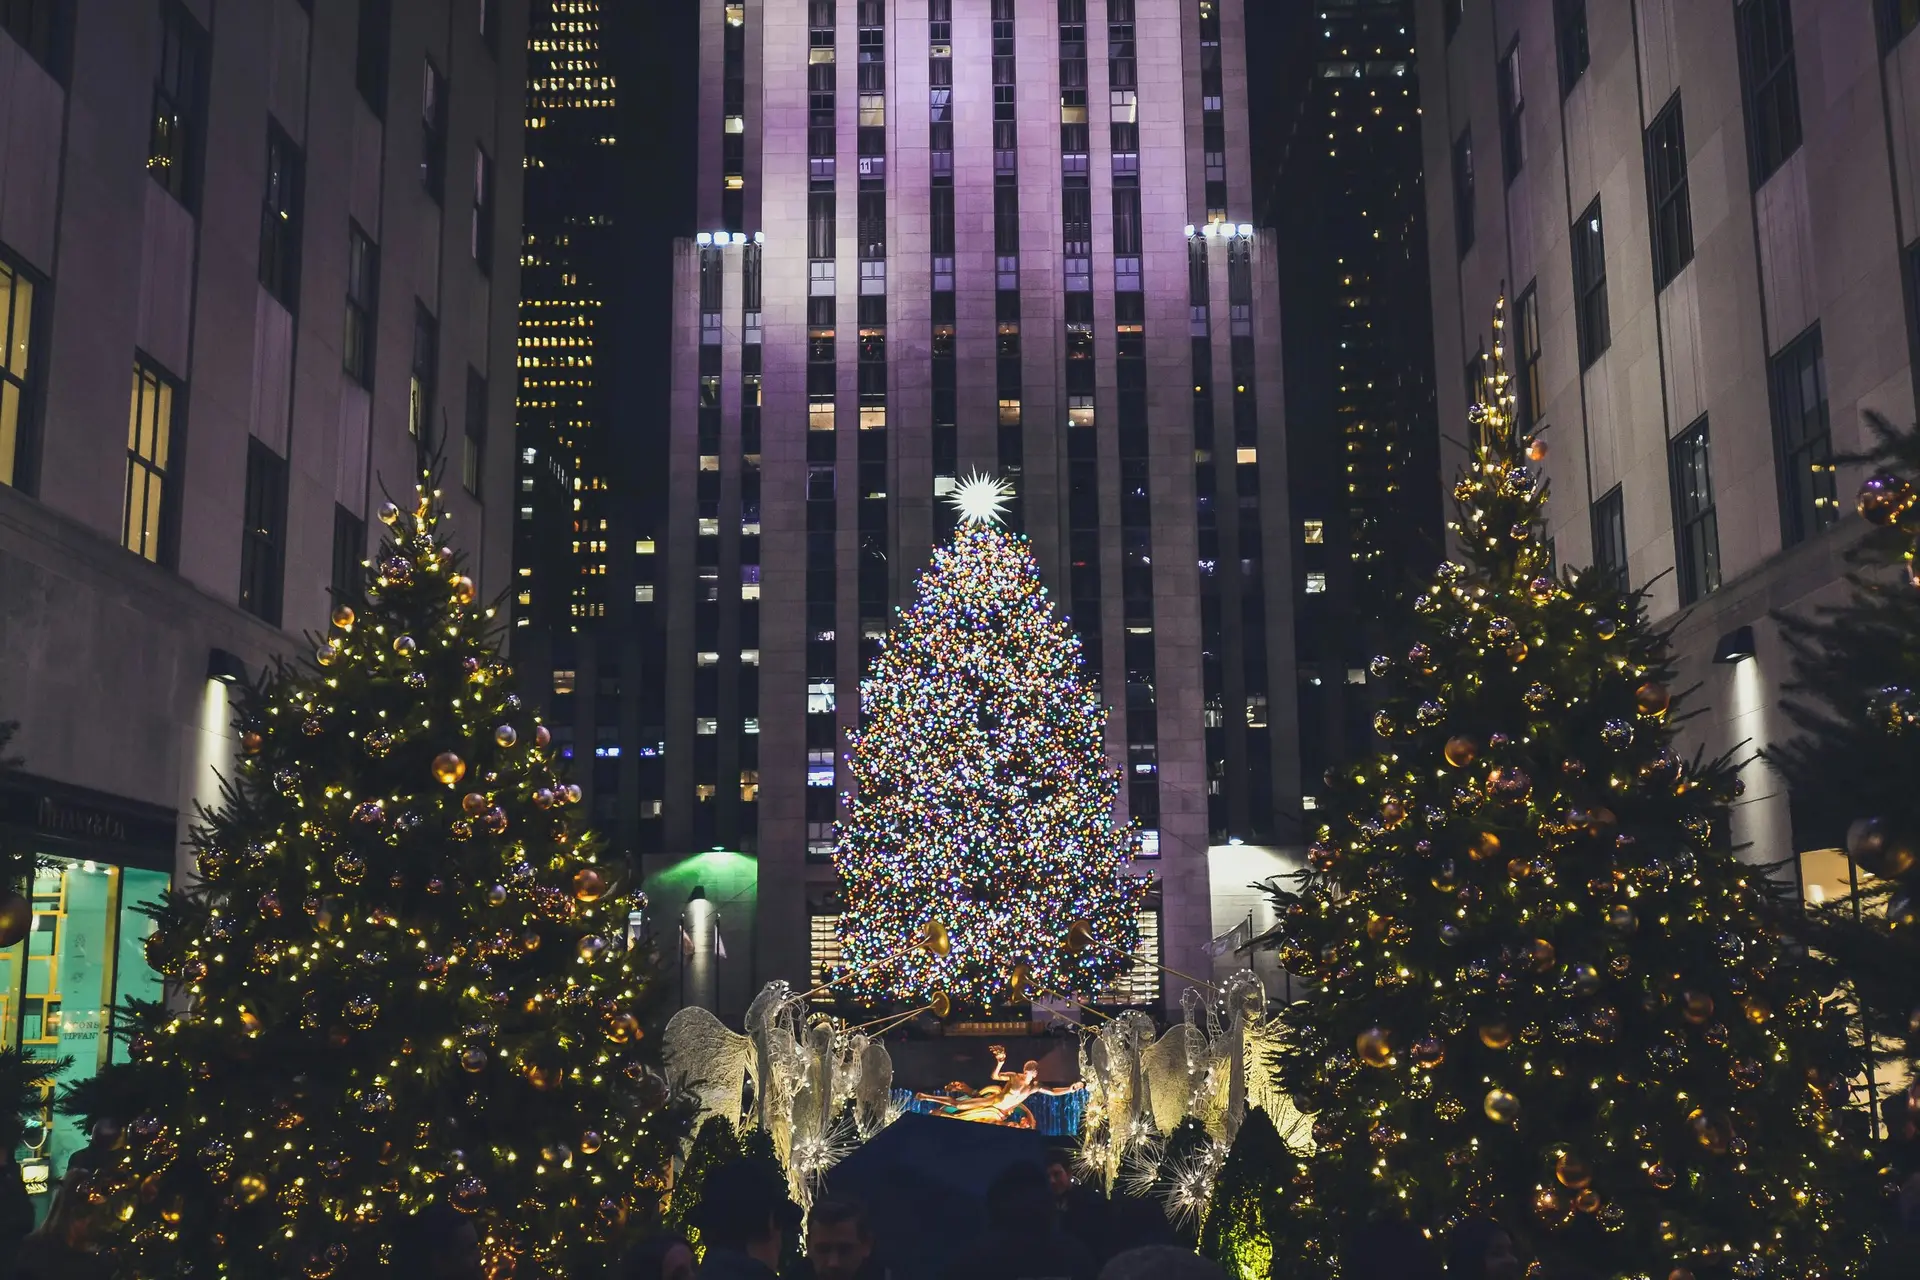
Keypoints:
pixel 981 499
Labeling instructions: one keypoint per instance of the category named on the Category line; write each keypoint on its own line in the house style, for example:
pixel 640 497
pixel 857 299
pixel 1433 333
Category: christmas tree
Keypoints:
pixel 1853 763
pixel 715 1144
pixel 1245 1210
pixel 16 865
pixel 983 800
pixel 1543 988
pixel 402 976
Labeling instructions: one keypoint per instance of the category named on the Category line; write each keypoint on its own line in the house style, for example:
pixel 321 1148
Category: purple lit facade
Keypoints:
pixel 949 236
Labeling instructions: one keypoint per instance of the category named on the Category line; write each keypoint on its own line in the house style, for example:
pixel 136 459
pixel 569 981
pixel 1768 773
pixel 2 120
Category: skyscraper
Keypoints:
pixel 948 236
pixel 568 618
pixel 1362 439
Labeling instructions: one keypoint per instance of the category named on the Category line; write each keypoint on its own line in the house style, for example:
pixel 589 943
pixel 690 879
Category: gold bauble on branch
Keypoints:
pixel 1652 699
pixel 342 616
pixel 16 919
pixel 1496 1035
pixel 449 768
pixel 1461 751
pixel 589 885
pixel 1375 1047
pixel 1484 845
pixel 505 735
pixel 1500 1106
pixel 463 590
pixel 1696 1007
pixel 1573 1172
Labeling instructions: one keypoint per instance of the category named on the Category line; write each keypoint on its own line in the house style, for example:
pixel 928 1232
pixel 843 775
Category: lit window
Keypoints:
pixel 820 768
pixel 706 658
pixel 563 682
pixel 706 724
pixel 1316 584
pixel 1149 843
pixel 1246 454
pixel 1009 413
pixel 643 593
pixel 749 785
pixel 820 415
pixel 750 725
pixel 704 791
pixel 819 697
pixel 1356 675
pixel 1313 532
pixel 644 547
pixel 1309 802
pixel 872 416
pixel 749 657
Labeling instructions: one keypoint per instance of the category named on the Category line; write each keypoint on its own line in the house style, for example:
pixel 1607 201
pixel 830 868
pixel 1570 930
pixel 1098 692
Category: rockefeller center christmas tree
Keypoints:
pixel 983 800
pixel 402 975
pixel 1541 985
pixel 1852 767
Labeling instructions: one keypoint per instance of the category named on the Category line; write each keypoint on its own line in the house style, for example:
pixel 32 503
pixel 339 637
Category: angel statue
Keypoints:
pixel 1001 1102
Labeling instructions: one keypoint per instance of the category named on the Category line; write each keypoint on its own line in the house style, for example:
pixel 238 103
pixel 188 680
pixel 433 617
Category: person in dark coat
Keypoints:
pixel 16 1206
pixel 1482 1249
pixel 744 1217
pixel 840 1243
pixel 439 1243
pixel 1083 1212
pixel 1023 1240
pixel 662 1256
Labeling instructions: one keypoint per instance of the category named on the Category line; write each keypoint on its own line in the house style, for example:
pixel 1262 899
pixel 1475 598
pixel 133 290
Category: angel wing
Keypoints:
pixel 701 1054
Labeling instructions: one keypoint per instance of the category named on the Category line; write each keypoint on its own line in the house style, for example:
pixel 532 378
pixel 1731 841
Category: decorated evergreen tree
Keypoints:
pixel 401 978
pixel 1245 1211
pixel 983 802
pixel 1853 765
pixel 1542 985
pixel 16 865
pixel 713 1145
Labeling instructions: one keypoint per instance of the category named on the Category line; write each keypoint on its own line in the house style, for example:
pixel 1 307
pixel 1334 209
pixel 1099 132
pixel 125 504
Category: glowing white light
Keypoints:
pixel 980 498
pixel 1246 230
pixel 1189 231
pixel 703 238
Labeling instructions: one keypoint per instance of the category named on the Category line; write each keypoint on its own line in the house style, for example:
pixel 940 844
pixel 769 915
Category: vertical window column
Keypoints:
pixel 706 555
pixel 733 112
pixel 946 391
pixel 1213 118
pixel 1207 499
pixel 1136 506
pixel 1083 441
pixel 749 606
pixel 1253 608
pixel 822 444
pixel 872 572
pixel 1006 253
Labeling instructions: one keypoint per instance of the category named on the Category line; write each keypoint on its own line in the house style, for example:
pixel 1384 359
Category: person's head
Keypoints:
pixel 658 1257
pixel 839 1242
pixel 1019 1200
pixel 439 1243
pixel 1059 1171
pixel 1391 1250
pixel 1160 1262
pixel 744 1208
pixel 1482 1249
pixel 1909 1202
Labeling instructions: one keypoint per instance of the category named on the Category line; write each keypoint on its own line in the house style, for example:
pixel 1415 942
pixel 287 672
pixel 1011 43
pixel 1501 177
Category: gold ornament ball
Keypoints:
pixel 1588 1201
pixel 16 919
pixel 1484 845
pixel 473 1060
pixel 590 1141
pixel 505 735
pixel 1500 1106
pixel 543 798
pixel 389 513
pixel 541 735
pixel 1375 1047
pixel 589 885
pixel 473 802
pixel 1662 1176
pixel 497 896
pixel 1696 1007
pixel 1652 699
pixel 623 1027
pixel 449 768
pixel 326 653
pixel 1496 1035
pixel 405 645
pixel 1461 751
pixel 463 590
pixel 1573 1172
pixel 1542 954
pixel 343 616
pixel 467 1195
pixel 249 1188
pixel 1536 450
pixel 1429 1051
pixel 544 1076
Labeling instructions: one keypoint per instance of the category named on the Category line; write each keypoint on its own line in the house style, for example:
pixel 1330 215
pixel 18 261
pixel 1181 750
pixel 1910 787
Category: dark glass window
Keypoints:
pixel 370 54
pixel 1696 533
pixel 280 219
pixel 1590 286
pixel 433 130
pixel 1803 444
pixel 1463 192
pixel 426 364
pixel 1610 536
pixel 1570 40
pixel 263 541
pixel 1770 84
pixel 38 27
pixel 1897 17
pixel 474 445
pixel 482 222
pixel 1526 346
pixel 1669 207
pixel 490 26
pixel 1453 11
pixel 349 551
pixel 363 301
pixel 173 143
pixel 1513 110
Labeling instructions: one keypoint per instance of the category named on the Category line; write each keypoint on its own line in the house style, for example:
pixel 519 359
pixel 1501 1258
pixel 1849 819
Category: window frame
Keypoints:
pixel 1669 197
pixel 1696 525
pixel 263 534
pixel 1607 524
pixel 1511 90
pixel 20 471
pixel 473 441
pixel 433 131
pixel 373 54
pixel 1770 90
pixel 48 24
pixel 1588 251
pixel 157 542
pixel 282 203
pixel 348 580
pixel 423 383
pixel 1463 194
pixel 176 129
pixel 490 26
pixel 1810 509
pixel 1572 52
pixel 485 195
pixel 357 344
pixel 1531 386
